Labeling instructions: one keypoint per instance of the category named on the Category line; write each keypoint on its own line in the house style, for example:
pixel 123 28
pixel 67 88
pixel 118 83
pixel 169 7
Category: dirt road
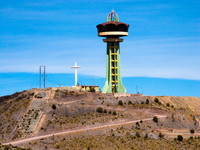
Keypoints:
pixel 77 130
pixel 70 102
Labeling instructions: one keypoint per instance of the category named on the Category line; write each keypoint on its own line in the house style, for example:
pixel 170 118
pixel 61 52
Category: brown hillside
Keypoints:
pixel 81 115
pixel 190 103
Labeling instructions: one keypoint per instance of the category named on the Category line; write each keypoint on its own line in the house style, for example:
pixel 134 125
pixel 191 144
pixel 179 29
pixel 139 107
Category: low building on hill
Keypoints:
pixel 87 87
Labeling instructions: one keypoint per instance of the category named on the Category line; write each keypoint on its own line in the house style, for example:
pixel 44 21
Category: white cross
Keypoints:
pixel 75 67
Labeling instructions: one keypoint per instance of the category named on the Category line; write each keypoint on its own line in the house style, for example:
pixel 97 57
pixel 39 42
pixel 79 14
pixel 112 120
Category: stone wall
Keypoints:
pixel 121 94
pixel 64 88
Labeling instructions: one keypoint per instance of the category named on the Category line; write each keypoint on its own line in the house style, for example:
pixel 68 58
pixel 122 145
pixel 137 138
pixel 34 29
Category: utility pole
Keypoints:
pixel 92 80
pixel 40 70
pixel 137 89
pixel 59 92
pixel 44 77
pixel 40 76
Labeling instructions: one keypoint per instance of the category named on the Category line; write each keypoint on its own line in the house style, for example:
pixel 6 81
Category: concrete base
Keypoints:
pixel 122 94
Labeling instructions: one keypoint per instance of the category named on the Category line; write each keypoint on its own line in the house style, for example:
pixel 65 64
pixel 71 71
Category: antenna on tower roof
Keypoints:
pixel 112 16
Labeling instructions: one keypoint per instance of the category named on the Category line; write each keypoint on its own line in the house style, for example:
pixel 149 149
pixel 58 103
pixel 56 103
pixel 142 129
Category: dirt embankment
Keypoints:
pixel 4 99
pixel 183 102
pixel 12 108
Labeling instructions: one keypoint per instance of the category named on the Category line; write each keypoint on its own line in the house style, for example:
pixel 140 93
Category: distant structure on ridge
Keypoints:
pixel 75 67
pixel 112 30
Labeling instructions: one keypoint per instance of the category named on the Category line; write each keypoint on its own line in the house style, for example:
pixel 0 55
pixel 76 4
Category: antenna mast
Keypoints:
pixel 44 77
pixel 40 77
pixel 40 70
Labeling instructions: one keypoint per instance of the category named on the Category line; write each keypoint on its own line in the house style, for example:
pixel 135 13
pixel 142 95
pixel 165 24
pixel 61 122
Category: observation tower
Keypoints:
pixel 113 30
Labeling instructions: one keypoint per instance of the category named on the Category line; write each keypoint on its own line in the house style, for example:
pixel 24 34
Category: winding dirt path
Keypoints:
pixel 70 102
pixel 77 130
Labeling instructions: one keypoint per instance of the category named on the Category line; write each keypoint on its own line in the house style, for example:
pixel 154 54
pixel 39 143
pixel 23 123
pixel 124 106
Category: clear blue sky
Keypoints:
pixel 163 41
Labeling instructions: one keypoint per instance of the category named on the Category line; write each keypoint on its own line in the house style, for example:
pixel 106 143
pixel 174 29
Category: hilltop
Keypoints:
pixel 70 119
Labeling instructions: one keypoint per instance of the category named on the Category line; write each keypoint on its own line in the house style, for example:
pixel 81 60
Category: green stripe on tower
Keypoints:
pixel 113 70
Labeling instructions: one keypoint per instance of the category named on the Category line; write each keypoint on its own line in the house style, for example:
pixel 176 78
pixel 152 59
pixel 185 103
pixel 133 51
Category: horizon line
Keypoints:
pixel 105 76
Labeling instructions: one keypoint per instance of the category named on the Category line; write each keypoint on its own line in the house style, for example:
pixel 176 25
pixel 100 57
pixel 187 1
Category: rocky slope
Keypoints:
pixel 70 110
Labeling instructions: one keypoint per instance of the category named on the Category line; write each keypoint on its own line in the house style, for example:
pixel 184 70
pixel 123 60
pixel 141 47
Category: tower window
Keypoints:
pixel 113 65
pixel 113 78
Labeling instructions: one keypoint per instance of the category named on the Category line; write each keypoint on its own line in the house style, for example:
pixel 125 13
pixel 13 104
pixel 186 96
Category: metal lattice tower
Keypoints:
pixel 41 75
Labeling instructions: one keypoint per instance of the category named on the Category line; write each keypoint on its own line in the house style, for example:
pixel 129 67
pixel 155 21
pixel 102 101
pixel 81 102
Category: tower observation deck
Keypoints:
pixel 113 30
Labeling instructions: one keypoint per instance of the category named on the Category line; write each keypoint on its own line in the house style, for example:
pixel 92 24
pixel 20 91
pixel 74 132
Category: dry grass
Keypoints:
pixel 11 113
pixel 10 147
pixel 121 138
pixel 189 103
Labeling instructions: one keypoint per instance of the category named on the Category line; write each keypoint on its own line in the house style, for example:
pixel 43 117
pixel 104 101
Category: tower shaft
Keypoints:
pixel 113 69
